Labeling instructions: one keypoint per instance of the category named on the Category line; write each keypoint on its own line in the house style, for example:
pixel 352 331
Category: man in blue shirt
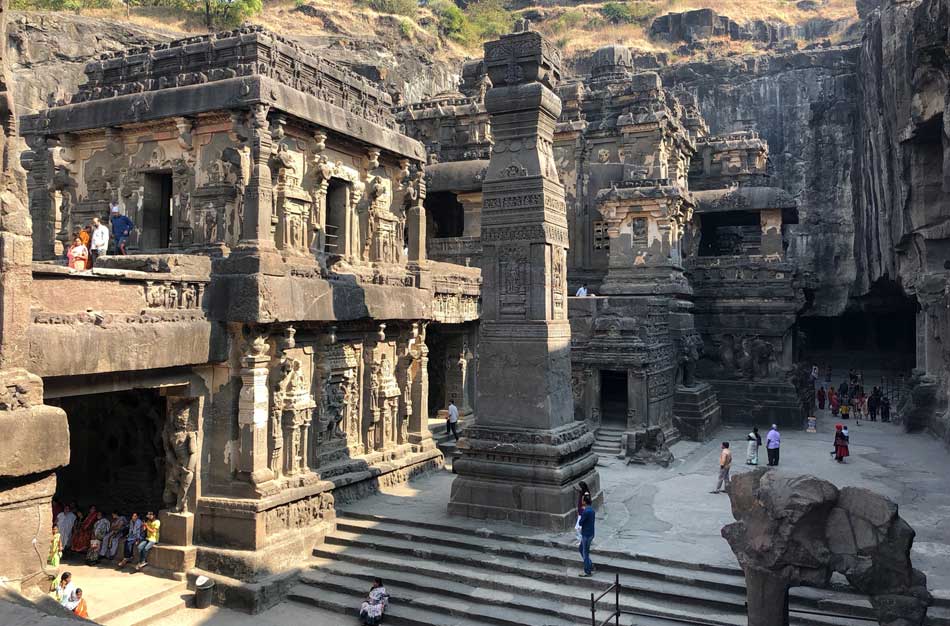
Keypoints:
pixel 587 535
pixel 121 228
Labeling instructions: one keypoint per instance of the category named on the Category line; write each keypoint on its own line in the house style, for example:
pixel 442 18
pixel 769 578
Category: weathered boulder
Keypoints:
pixel 647 447
pixel 793 530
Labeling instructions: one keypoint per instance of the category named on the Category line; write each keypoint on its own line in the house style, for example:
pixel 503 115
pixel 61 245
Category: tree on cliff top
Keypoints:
pixel 221 13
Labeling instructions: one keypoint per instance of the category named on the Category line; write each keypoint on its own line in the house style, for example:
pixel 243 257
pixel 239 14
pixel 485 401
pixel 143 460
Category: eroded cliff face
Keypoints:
pixel 805 105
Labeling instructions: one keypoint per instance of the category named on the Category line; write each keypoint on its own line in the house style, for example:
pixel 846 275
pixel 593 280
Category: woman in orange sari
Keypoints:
pixel 84 535
pixel 78 255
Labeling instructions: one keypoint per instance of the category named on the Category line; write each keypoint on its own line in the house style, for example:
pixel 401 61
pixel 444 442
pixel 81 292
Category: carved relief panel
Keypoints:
pixel 513 281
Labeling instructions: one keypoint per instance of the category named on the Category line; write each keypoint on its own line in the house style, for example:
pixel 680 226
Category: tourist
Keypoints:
pixel 773 442
pixel 66 521
pixel 860 405
pixel 820 395
pixel 55 548
pixel 841 444
pixel 843 391
pixel 885 409
pixel 582 291
pixel 583 492
pixel 587 535
pixel 814 375
pixel 452 421
pixel 83 535
pixel 135 536
pixel 371 612
pixel 66 592
pixel 121 228
pixel 99 530
pixel 845 411
pixel 100 241
pixel 110 543
pixel 833 401
pixel 81 610
pixel 77 256
pixel 874 403
pixel 752 448
pixel 152 527
pixel 725 462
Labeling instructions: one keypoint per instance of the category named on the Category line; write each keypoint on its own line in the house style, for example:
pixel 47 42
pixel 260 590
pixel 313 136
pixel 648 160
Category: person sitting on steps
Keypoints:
pixel 372 609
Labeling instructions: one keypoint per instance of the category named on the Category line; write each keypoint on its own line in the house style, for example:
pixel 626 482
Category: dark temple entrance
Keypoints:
pixel 116 457
pixel 613 397
pixel 156 211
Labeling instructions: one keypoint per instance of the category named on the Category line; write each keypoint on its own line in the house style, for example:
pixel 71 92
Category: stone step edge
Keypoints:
pixel 590 585
pixel 343 514
pixel 581 608
pixel 395 614
pixel 735 593
pixel 142 617
pixel 730 602
pixel 157 596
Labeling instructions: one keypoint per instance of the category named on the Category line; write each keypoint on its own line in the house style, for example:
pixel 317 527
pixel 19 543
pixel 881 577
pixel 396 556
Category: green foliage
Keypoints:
pixel 406 28
pixel 567 21
pixel 60 5
pixel 214 13
pixel 227 13
pixel 628 12
pixel 486 19
pixel 394 7
pixel 451 19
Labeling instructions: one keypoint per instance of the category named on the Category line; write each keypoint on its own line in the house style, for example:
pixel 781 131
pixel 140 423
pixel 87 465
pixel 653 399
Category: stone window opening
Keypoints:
pixel 601 238
pixel 338 201
pixel 157 210
pixel 447 214
pixel 734 233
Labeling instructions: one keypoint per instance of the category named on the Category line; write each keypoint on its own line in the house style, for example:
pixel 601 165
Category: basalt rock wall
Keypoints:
pixel 805 105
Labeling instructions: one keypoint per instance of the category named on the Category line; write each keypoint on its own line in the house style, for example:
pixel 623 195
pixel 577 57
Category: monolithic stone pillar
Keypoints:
pixel 253 412
pixel 416 216
pixel 34 438
pixel 523 459
pixel 419 434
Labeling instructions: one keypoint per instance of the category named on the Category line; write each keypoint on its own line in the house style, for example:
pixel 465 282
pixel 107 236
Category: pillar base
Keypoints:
pixel 525 476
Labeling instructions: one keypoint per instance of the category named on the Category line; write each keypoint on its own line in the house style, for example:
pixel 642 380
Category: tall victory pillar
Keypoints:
pixel 524 457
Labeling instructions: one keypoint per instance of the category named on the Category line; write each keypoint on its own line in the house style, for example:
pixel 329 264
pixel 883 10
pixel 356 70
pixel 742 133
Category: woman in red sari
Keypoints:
pixel 841 444
pixel 84 533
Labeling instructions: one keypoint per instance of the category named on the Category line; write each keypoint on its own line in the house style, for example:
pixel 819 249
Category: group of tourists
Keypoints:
pixel 69 596
pixel 92 241
pixel 850 400
pixel 92 537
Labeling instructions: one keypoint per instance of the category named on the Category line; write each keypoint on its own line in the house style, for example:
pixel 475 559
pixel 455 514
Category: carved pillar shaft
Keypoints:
pixel 259 192
pixel 416 216
pixel 253 405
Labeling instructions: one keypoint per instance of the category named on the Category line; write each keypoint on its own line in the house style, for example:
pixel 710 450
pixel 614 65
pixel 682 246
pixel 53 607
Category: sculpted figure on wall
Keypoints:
pixel 180 441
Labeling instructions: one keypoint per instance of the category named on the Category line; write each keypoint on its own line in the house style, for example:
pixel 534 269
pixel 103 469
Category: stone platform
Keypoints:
pixel 744 401
pixel 696 411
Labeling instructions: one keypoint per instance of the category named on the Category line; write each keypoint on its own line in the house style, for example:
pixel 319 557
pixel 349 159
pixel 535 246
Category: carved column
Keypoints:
pixel 524 318
pixel 253 405
pixel 419 433
pixel 416 217
pixel 39 163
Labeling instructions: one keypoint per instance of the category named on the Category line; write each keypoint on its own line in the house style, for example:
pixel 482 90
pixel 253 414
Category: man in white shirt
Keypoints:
pixel 100 240
pixel 582 291
pixel 452 423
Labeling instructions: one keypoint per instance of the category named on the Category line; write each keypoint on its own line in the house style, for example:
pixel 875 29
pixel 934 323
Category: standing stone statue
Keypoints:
pixel 524 399
pixel 181 457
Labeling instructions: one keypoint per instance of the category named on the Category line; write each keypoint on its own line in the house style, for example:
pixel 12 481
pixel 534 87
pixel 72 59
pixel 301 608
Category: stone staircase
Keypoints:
pixel 445 441
pixel 445 576
pixel 607 441
pixel 163 600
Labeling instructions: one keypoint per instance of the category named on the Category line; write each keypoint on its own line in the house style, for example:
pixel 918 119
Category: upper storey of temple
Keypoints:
pixel 225 71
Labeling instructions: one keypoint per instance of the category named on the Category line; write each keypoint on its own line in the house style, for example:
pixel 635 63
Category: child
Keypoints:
pixel 55 548
pixel 81 609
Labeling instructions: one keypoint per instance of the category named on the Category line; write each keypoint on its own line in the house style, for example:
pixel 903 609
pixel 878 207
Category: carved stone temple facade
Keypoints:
pixel 675 230
pixel 262 353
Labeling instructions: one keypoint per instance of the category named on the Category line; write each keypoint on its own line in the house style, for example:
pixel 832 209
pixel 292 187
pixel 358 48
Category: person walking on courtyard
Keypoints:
pixel 55 548
pixel 452 422
pixel 77 256
pixel 121 228
pixel 725 463
pixel 135 536
pixel 371 612
pixel 587 536
pixel 841 444
pixel 820 395
pixel 885 409
pixel 874 403
pixel 833 402
pixel 814 375
pixel 773 442
pixel 100 241
pixel 152 527
pixel 752 449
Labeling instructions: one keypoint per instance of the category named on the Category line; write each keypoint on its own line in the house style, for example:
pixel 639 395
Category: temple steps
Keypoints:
pixel 607 441
pixel 444 575
pixel 166 601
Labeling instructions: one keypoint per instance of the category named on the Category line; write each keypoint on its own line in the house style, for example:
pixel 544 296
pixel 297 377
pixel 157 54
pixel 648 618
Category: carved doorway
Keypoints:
pixel 613 398
pixel 116 456
pixel 156 211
